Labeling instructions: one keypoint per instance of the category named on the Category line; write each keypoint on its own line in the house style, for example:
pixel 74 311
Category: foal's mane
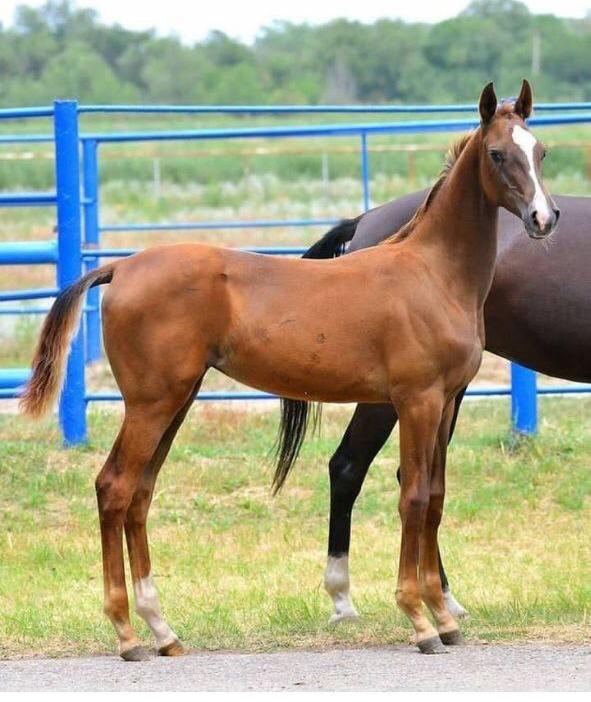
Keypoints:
pixel 450 160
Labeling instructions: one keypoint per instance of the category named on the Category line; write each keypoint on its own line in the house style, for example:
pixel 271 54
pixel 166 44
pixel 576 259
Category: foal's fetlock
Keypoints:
pixel 349 614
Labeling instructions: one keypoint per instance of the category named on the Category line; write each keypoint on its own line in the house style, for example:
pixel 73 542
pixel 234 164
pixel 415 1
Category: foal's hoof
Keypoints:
pixel 349 615
pixel 452 638
pixel 431 646
pixel 175 648
pixel 137 653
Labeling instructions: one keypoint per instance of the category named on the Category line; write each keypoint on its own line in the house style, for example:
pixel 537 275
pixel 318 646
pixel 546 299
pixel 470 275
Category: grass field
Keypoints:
pixel 237 569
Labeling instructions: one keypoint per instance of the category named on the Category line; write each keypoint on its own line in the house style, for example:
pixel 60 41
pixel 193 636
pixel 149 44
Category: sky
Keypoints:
pixel 192 20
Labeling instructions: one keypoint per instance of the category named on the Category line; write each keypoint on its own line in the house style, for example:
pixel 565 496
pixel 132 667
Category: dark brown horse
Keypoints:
pixel 537 314
pixel 172 312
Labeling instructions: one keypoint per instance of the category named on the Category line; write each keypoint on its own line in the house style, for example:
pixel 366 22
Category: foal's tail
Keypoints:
pixel 54 343
pixel 295 414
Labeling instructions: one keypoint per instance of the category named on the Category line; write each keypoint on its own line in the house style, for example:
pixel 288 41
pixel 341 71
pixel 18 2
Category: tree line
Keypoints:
pixel 59 50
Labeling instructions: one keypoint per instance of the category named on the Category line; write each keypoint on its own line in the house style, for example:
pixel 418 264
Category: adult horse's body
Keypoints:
pixel 537 314
pixel 172 312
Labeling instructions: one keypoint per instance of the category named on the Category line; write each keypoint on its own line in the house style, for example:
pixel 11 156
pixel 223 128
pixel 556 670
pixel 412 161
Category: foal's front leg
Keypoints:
pixel 429 574
pixel 420 418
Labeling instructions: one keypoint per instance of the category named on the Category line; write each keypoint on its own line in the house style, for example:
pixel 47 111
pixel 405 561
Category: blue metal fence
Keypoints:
pixel 70 253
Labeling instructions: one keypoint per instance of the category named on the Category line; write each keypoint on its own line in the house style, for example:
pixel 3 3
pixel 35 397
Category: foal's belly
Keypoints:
pixel 314 365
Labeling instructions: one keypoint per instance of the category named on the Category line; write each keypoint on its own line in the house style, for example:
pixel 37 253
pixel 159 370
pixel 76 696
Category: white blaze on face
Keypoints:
pixel 526 142
pixel 148 607
pixel 336 582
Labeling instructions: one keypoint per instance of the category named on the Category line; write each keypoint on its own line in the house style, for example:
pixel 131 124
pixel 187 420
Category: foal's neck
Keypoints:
pixel 458 234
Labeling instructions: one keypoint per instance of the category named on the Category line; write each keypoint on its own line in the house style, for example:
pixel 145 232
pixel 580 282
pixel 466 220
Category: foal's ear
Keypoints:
pixel 524 102
pixel 488 104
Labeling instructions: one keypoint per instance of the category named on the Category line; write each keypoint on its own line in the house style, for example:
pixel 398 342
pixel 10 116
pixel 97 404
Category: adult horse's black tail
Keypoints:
pixel 295 414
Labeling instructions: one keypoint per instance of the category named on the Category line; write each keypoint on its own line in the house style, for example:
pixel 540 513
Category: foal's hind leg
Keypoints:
pixel 367 432
pixel 146 597
pixel 453 606
pixel 141 433
pixel 429 575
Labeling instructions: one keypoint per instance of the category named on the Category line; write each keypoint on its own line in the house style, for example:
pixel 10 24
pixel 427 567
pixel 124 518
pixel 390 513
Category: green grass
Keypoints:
pixel 238 569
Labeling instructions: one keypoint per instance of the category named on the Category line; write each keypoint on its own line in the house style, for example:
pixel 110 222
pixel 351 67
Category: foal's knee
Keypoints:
pixel 413 506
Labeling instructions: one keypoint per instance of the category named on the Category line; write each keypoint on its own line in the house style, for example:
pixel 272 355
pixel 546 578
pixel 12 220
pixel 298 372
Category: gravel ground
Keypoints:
pixel 473 667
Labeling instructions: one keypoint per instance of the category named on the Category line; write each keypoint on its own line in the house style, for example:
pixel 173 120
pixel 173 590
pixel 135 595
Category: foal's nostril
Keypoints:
pixel 556 214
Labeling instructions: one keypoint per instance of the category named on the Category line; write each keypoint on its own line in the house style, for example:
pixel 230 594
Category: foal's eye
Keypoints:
pixel 496 156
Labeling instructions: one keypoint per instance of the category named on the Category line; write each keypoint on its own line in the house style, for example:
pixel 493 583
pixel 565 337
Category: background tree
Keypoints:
pixel 59 50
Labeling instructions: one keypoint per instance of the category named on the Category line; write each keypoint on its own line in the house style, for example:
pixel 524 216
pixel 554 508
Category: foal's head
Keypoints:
pixel 511 162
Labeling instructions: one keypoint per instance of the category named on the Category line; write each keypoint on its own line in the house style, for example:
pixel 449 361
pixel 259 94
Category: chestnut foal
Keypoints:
pixel 412 334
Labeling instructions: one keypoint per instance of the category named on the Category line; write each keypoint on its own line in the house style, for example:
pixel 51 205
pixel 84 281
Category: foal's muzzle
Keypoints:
pixel 540 225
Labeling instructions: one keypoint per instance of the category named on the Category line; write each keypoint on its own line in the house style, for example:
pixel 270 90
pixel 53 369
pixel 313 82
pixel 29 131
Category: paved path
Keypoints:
pixel 472 667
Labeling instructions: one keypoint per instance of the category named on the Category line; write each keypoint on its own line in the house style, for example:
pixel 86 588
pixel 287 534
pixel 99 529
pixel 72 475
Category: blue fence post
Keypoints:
pixel 365 171
pixel 91 240
pixel 524 400
pixel 69 268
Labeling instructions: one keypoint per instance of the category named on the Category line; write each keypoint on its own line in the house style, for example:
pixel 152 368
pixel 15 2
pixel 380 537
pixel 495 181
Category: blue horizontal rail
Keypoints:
pixel 419 126
pixel 22 112
pixel 256 395
pixel 25 138
pixel 13 391
pixel 90 254
pixel 331 130
pixel 36 294
pixel 246 224
pixel 13 377
pixel 308 109
pixel 17 253
pixel 27 199
pixel 15 311
pixel 24 310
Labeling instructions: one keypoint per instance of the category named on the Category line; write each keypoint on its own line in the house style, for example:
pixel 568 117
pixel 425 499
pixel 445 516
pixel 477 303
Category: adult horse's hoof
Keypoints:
pixel 135 654
pixel 172 649
pixel 431 646
pixel 452 638
pixel 453 606
pixel 349 615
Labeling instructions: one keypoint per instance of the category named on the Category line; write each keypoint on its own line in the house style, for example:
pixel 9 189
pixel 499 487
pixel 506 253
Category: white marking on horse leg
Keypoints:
pixel 148 607
pixel 453 606
pixel 526 142
pixel 336 582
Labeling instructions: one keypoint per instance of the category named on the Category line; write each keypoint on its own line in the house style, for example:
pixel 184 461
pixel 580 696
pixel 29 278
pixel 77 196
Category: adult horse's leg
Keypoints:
pixel 146 597
pixel 429 561
pixel 367 432
pixel 420 418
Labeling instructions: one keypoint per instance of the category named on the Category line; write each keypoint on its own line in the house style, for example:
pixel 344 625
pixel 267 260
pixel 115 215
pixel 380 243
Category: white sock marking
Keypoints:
pixel 336 582
pixel 453 606
pixel 526 142
pixel 148 607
